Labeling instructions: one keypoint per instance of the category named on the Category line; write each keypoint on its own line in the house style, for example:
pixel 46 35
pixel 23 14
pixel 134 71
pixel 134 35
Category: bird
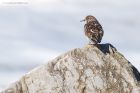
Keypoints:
pixel 93 30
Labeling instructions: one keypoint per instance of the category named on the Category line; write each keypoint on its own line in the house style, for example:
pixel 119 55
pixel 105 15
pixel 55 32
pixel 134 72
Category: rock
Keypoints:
pixel 92 69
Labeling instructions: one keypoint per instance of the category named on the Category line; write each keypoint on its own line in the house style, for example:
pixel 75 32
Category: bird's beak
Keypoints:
pixel 82 20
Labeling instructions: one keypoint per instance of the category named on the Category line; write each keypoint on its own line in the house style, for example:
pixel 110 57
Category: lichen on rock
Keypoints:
pixel 91 69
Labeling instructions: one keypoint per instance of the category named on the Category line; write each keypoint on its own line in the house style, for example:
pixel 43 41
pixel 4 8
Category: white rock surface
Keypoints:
pixel 83 70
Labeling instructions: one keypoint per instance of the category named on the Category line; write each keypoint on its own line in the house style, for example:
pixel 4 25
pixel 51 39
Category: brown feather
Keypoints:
pixel 94 31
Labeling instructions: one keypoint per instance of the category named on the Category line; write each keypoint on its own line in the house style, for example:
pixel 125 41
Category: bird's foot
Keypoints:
pixel 94 44
pixel 91 43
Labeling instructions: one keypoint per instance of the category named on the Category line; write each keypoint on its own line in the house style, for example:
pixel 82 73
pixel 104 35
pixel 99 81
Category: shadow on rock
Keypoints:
pixel 106 48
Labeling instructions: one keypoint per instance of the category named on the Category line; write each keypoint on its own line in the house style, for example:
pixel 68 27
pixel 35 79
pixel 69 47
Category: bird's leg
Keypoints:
pixel 90 43
pixel 93 43
pixel 96 44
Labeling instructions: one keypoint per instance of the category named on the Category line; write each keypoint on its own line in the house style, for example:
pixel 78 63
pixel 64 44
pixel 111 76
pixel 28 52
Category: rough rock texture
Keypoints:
pixel 83 70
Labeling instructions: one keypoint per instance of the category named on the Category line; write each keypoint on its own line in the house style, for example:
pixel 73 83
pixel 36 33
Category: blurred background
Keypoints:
pixel 35 31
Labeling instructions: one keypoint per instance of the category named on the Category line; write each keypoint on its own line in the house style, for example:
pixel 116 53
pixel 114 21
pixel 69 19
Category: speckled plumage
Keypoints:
pixel 93 29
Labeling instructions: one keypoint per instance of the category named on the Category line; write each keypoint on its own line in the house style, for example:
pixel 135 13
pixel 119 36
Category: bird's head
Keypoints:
pixel 89 18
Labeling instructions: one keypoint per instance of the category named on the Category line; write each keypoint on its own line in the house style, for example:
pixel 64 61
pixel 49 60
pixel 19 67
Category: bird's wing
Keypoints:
pixel 100 33
pixel 94 31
